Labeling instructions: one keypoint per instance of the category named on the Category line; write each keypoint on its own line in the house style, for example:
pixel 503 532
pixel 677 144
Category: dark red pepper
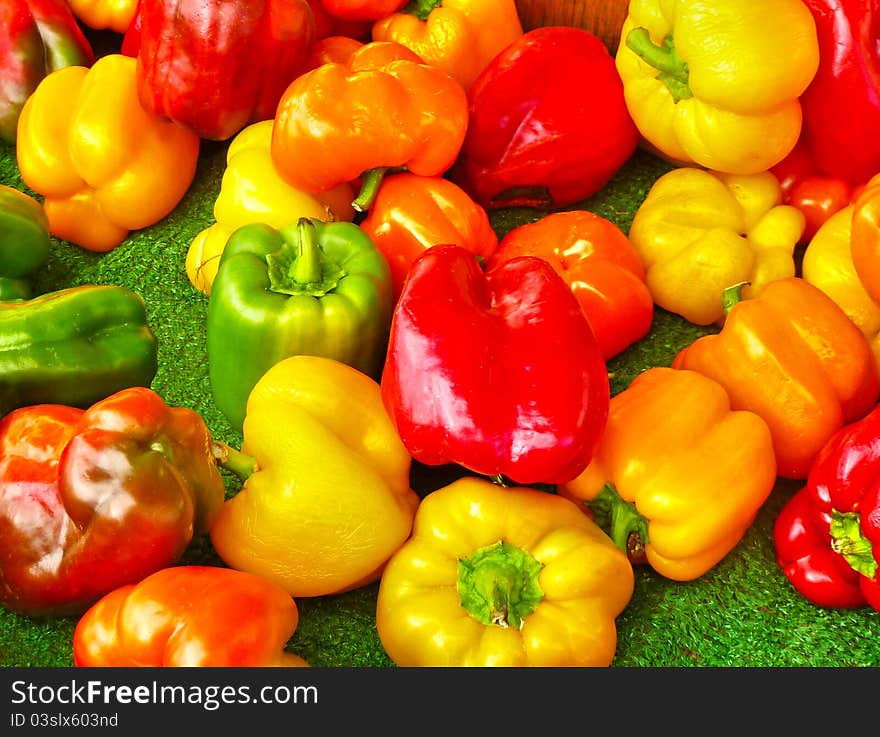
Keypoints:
pixel 548 124
pixel 499 371
pixel 827 536
pixel 36 38
pixel 841 107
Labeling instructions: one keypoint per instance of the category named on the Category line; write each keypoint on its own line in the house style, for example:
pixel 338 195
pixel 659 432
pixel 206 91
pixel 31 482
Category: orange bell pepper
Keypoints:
pixel 602 267
pixel 865 243
pixel 413 213
pixel 678 476
pixel 102 163
pixel 791 355
pixel 459 36
pixel 115 15
pixel 171 618
pixel 384 108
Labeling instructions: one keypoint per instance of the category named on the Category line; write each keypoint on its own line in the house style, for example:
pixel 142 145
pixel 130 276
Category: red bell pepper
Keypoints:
pixel 214 66
pixel 354 10
pixel 94 499
pixel 841 106
pixel 548 122
pixel 827 536
pixel 36 38
pixel 499 371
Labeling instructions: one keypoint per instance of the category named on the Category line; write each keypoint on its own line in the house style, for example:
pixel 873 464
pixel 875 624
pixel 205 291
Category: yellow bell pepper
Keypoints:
pixel 459 36
pixel 252 191
pixel 326 497
pixel 678 476
pixel 699 232
pixel 114 15
pixel 495 576
pixel 102 163
pixel 828 265
pixel 716 83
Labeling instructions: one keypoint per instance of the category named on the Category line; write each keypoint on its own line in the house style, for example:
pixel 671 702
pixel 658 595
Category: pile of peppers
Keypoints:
pixel 362 306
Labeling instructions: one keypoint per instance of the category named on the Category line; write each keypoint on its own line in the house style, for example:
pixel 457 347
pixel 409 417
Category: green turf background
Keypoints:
pixel 741 613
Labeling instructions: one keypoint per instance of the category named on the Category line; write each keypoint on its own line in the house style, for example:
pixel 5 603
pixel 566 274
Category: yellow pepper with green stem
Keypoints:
pixel 252 191
pixel 716 82
pixel 699 232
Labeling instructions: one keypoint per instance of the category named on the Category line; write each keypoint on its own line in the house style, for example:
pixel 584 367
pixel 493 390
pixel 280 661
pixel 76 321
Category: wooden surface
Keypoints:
pixel 601 17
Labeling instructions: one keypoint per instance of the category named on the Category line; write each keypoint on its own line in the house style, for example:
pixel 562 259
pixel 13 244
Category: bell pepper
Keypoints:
pixel 252 191
pixel 24 241
pixel 865 244
pixel 679 475
pixel 36 38
pixel 841 105
pixel 459 36
pixel 696 81
pixel 332 49
pixel 791 355
pixel 828 264
pixel 213 66
pixel 507 379
pixel 170 619
pixel 329 129
pixel 74 346
pixel 548 122
pixel 103 165
pixel 496 576
pixel 114 15
pixel 600 265
pixel 412 213
pixel 328 25
pixel 98 498
pixel 827 536
pixel 370 10
pixel 700 232
pixel 325 498
pixel 314 288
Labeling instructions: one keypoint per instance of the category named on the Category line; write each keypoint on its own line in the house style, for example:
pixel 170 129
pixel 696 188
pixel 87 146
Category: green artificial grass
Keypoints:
pixel 741 613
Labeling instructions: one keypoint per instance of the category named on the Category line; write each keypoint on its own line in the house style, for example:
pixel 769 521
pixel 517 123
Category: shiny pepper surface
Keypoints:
pixel 95 499
pixel 865 245
pixel 791 355
pixel 495 576
pixel 115 15
pixel 103 164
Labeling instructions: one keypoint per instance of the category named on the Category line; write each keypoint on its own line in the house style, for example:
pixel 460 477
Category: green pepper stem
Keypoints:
pixel 732 296
pixel 306 267
pixel 848 539
pixel 621 521
pixel 673 69
pixel 241 464
pixel 421 9
pixel 370 182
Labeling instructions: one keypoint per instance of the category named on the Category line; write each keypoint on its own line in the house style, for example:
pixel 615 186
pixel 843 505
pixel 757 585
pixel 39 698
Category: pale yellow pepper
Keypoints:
pixel 699 232
pixel 828 265
pixel 252 191
pixel 716 82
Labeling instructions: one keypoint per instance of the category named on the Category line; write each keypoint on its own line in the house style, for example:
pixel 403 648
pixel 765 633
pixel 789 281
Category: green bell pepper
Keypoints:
pixel 312 288
pixel 24 241
pixel 74 346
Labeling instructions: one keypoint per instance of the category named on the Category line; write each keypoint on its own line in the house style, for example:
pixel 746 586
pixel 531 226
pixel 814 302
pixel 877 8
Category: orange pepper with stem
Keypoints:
pixel 459 36
pixel 793 356
pixel 383 108
pixel 602 267
pixel 865 243
pixel 103 165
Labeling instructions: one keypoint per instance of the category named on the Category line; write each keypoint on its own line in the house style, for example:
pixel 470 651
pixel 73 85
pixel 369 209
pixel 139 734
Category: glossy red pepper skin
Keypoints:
pixel 361 10
pixel 94 499
pixel 214 66
pixel 499 371
pixel 825 565
pixel 36 38
pixel 841 106
pixel 548 123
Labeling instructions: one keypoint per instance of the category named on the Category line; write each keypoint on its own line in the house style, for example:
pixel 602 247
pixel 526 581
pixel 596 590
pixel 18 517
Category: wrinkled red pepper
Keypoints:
pixel 548 123
pixel 827 536
pixel 214 66
pixel 841 106
pixel 499 371
pixel 36 38
pixel 94 499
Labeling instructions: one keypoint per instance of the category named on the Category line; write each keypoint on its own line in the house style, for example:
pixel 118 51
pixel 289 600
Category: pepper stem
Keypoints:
pixel 241 464
pixel 370 182
pixel 673 69
pixel 622 522
pixel 732 296
pixel 300 266
pixel 421 9
pixel 498 585
pixel 848 540
pixel 306 267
